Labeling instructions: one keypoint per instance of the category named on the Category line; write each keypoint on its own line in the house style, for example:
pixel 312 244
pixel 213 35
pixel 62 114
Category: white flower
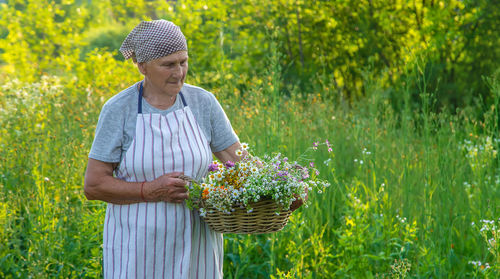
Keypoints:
pixel 244 146
pixel 235 193
pixel 203 212
pixel 219 176
pixel 239 152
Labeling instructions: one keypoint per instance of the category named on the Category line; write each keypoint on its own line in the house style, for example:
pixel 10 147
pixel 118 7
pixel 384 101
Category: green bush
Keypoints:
pixel 107 38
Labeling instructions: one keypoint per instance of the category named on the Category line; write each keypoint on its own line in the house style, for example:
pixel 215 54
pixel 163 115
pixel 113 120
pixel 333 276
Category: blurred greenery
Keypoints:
pixel 324 44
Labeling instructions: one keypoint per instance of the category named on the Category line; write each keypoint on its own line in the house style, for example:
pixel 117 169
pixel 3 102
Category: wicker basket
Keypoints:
pixel 263 219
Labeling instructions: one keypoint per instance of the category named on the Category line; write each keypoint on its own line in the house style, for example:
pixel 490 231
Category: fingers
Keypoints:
pixel 174 174
pixel 296 204
pixel 173 194
pixel 179 198
pixel 174 189
pixel 176 182
pixel 179 175
pixel 170 187
pixel 177 179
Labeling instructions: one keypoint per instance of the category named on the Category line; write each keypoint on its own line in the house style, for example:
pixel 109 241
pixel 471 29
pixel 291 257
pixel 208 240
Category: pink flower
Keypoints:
pixel 229 164
pixel 311 164
pixel 330 149
pixel 213 167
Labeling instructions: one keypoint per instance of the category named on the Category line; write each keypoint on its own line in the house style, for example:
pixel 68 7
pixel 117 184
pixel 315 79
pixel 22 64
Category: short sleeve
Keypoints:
pixel 222 132
pixel 107 145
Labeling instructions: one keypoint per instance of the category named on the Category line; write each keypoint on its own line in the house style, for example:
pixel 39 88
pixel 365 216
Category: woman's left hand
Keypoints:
pixel 298 202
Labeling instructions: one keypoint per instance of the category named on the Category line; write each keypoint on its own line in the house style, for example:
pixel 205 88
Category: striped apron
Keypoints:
pixel 161 239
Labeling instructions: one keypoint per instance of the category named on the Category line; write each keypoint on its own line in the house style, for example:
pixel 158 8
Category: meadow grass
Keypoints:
pixel 406 187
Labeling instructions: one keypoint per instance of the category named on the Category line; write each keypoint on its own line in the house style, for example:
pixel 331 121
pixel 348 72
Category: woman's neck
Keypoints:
pixel 156 98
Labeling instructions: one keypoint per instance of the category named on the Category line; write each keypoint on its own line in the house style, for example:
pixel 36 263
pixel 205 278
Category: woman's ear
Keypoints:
pixel 142 67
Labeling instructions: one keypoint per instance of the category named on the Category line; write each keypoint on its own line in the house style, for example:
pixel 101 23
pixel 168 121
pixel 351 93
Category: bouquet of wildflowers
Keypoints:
pixel 253 179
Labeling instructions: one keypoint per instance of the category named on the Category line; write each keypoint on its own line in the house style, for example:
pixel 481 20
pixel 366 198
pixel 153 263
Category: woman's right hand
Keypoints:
pixel 170 187
pixel 100 184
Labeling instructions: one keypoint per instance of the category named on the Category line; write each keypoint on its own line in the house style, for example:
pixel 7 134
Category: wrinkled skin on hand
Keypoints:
pixel 170 187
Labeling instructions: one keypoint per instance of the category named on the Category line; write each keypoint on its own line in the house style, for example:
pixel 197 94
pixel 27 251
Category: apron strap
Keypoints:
pixel 183 100
pixel 139 103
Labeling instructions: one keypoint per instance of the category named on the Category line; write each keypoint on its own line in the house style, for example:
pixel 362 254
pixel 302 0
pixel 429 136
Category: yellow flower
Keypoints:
pixel 349 221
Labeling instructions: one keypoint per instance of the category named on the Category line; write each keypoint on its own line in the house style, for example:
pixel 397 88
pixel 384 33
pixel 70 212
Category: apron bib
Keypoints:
pixel 161 239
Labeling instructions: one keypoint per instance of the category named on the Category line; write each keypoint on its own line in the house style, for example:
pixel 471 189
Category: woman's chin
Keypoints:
pixel 173 89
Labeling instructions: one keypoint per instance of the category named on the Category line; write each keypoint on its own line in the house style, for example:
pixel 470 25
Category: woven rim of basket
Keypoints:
pixel 263 219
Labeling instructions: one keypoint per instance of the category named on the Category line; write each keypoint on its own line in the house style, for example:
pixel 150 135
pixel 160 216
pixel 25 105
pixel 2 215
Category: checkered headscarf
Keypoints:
pixel 153 39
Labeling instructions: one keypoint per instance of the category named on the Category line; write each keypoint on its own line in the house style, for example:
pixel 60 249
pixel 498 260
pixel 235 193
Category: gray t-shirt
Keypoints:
pixel 116 126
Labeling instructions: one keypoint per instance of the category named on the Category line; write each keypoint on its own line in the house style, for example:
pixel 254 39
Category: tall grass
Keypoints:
pixel 406 187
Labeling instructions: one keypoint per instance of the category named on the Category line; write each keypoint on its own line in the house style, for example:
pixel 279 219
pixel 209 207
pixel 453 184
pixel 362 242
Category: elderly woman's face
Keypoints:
pixel 166 74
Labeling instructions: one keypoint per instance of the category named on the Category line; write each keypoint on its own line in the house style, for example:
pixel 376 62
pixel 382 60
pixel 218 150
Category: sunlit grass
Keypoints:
pixel 406 187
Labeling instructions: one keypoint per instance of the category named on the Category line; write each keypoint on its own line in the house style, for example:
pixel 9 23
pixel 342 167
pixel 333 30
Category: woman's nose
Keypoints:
pixel 177 70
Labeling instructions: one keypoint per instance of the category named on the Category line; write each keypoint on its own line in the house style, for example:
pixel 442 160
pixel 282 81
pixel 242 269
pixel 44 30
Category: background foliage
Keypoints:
pixel 407 92
pixel 325 45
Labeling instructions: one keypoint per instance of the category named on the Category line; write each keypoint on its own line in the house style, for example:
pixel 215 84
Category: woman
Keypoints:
pixel 149 137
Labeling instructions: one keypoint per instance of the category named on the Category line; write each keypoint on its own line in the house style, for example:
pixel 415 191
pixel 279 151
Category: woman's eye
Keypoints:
pixel 170 65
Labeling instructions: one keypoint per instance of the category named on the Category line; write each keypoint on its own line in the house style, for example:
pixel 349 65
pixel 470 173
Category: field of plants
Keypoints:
pixel 407 94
